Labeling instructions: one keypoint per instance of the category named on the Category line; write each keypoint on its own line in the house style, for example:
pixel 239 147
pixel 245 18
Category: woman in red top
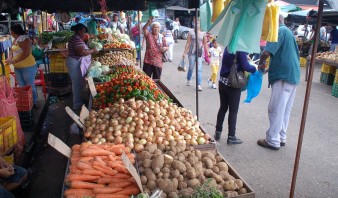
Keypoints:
pixel 156 46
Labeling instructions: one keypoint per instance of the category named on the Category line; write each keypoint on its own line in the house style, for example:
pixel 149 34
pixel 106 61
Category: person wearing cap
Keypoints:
pixel 78 62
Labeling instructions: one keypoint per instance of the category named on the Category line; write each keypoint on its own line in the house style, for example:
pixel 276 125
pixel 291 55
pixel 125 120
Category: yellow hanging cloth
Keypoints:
pixel 270 23
pixel 217 8
pixel 266 23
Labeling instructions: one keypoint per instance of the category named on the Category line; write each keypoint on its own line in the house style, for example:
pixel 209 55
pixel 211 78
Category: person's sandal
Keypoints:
pixel 263 143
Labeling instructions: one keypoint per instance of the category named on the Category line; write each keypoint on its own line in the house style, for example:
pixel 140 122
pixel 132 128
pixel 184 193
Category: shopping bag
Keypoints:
pixel 181 66
pixel 254 86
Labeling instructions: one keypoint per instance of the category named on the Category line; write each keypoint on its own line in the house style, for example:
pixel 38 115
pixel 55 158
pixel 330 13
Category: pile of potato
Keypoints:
pixel 115 58
pixel 178 169
pixel 329 56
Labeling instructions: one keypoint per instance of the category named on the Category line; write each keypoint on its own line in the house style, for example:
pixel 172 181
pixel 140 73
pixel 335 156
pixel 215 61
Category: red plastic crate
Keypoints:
pixel 24 98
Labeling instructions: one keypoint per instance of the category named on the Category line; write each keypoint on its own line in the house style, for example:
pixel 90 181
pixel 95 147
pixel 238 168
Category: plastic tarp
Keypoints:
pixel 205 15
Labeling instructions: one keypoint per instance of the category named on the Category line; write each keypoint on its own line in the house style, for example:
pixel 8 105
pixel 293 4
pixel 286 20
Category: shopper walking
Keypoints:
pixel 168 36
pixel 215 53
pixel 190 49
pixel 23 61
pixel 155 47
pixel 284 74
pixel 176 28
pixel 334 38
pixel 229 96
pixel 136 37
pixel 78 62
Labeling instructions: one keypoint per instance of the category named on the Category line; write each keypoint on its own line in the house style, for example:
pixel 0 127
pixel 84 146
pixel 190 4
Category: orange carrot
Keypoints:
pixel 92 172
pixel 85 159
pixel 105 171
pixel 74 170
pixel 78 177
pixel 111 158
pixel 120 150
pixel 108 180
pixel 83 166
pixel 98 159
pixel 106 190
pixel 85 185
pixel 78 192
pixel 122 176
pixel 111 196
pixel 76 147
pixel 121 184
pixel 94 152
pixel 130 190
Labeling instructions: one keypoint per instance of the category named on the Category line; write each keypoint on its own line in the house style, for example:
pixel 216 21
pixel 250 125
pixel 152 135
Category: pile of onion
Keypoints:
pixel 136 123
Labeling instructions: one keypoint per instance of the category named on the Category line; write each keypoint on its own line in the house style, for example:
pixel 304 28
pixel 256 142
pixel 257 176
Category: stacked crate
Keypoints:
pixel 24 104
pixel 302 61
pixel 327 74
pixel 58 80
pixel 335 85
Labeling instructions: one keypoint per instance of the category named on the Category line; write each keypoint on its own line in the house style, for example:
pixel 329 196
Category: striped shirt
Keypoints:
pixel 168 33
pixel 74 42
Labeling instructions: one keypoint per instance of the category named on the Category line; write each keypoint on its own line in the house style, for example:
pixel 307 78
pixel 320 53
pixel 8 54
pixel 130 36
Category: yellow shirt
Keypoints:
pixel 17 51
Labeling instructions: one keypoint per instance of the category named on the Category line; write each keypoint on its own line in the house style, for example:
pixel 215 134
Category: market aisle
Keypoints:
pixel 270 172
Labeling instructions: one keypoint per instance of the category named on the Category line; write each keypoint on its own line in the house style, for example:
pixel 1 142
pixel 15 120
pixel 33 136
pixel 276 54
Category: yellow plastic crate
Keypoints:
pixel 9 159
pixel 328 69
pixel 8 134
pixel 58 64
pixel 302 61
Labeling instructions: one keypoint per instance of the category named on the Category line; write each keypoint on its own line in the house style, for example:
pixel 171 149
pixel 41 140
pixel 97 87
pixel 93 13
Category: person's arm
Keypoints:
pixel 205 43
pixel 6 172
pixel 187 45
pixel 81 51
pixel 243 61
pixel 145 30
pixel 262 59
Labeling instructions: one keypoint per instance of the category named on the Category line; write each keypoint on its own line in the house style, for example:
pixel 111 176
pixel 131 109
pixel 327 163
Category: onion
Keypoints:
pixel 138 148
pixel 130 145
pixel 193 142
pixel 110 138
pixel 159 140
pixel 142 141
pixel 129 119
pixel 131 129
pixel 117 133
pixel 114 122
pixel 106 116
pixel 124 129
pixel 121 100
pixel 138 133
pixel 149 139
pixel 129 140
pixel 133 124
pixel 87 134
pixel 146 109
pixel 118 140
pixel 187 137
pixel 102 127
pixel 144 135
pixel 95 140
pixel 201 140
pixel 103 140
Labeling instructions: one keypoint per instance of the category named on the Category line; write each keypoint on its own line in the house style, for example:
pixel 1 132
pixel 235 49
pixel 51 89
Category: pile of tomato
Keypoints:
pixel 127 82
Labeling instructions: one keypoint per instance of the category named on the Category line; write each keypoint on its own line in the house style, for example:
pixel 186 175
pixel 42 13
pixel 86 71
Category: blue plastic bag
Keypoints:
pixel 254 86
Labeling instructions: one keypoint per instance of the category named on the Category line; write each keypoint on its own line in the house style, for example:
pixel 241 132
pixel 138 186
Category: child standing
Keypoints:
pixel 215 53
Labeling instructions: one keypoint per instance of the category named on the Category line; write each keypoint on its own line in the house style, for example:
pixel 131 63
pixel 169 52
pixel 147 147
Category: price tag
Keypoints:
pixel 57 144
pixel 91 86
pixel 75 117
pixel 84 114
pixel 130 167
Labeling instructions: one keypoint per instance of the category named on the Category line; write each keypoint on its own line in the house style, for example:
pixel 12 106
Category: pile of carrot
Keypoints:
pixel 97 171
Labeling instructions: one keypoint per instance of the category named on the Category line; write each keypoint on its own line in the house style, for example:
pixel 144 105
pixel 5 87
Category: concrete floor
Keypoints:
pixel 270 172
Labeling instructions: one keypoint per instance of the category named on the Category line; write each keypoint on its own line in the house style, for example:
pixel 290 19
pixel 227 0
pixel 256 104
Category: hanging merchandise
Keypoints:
pixel 242 16
pixel 103 5
pixel 205 16
pixel 270 23
pixel 217 7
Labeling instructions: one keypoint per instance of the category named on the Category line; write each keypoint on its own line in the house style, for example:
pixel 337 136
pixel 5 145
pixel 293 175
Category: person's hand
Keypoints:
pixel 95 51
pixel 183 56
pixel 10 61
pixel 151 19
pixel 261 67
pixel 6 172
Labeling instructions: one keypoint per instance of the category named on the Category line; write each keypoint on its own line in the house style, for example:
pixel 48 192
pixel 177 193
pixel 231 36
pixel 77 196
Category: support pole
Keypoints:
pixel 139 31
pixel 306 100
pixel 196 60
pixel 24 20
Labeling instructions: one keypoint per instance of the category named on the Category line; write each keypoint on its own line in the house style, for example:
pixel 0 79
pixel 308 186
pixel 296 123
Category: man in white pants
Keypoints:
pixel 284 74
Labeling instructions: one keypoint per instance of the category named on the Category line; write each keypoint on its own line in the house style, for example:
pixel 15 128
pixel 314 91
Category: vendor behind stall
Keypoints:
pixel 334 38
pixel 78 62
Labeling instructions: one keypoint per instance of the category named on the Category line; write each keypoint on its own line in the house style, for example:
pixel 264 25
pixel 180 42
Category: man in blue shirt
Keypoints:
pixel 284 74
pixel 334 38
